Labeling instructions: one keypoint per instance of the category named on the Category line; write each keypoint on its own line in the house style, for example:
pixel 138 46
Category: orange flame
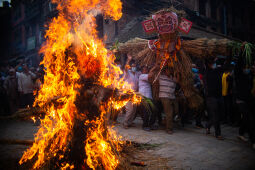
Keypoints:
pixel 33 118
pixel 75 29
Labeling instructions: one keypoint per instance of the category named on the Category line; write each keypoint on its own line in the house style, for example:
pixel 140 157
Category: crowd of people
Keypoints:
pixel 17 86
pixel 228 90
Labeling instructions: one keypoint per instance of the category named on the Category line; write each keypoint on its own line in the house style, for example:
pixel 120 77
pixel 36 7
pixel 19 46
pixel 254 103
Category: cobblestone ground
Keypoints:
pixel 14 129
pixel 188 148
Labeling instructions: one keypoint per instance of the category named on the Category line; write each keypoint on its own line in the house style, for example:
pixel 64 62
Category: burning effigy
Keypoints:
pixel 81 85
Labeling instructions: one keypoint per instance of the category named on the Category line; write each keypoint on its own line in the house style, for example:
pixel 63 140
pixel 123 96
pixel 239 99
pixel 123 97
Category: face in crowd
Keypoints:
pixel 133 67
pixel 12 73
pixel 25 69
pixel 145 70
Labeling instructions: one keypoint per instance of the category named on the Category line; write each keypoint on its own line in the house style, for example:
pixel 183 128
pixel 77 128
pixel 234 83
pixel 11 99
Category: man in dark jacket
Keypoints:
pixel 212 82
pixel 245 102
pixel 11 87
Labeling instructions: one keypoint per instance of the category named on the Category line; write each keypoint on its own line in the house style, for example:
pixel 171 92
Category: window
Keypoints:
pixel 214 9
pixel 17 35
pixel 202 4
pixel 31 43
pixel 17 13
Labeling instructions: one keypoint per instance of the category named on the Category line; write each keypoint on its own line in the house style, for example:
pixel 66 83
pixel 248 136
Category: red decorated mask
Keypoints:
pixel 166 22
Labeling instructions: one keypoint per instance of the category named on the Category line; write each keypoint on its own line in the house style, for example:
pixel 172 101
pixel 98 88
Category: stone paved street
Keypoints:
pixel 188 148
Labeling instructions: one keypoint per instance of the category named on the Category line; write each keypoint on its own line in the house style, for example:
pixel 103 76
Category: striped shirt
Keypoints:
pixel 166 87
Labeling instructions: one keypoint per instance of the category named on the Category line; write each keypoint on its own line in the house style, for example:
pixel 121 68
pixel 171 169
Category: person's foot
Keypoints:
pixel 219 138
pixel 146 128
pixel 242 138
pixel 170 132
pixel 199 126
pixel 125 126
pixel 207 131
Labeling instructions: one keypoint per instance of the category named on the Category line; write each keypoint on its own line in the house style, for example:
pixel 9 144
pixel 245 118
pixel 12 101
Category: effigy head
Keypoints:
pixel 166 22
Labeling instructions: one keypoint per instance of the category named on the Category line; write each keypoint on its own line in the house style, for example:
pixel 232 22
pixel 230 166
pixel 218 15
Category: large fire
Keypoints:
pixel 76 60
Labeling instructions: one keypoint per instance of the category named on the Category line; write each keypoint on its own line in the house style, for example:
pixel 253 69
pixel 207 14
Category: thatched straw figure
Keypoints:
pixel 171 52
pixel 166 51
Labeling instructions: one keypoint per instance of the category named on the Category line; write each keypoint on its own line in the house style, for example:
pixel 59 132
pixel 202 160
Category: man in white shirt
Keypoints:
pixel 144 85
pixel 26 86
pixel 145 90
pixel 132 77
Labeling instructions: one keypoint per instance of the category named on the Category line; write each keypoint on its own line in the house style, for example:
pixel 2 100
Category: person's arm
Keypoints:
pixel 177 77
pixel 19 77
pixel 32 74
pixel 152 73
pixel 127 67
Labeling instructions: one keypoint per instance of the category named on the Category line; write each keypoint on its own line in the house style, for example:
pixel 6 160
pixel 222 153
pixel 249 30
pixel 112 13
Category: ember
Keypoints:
pixel 81 85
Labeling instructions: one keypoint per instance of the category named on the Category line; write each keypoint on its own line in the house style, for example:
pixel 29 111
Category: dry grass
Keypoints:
pixel 136 154
pixel 145 57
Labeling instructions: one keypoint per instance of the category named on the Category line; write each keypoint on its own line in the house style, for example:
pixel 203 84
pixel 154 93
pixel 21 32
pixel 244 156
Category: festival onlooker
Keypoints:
pixel 182 105
pixel 4 106
pixel 227 91
pixel 39 79
pixel 198 112
pixel 154 81
pixel 245 104
pixel 212 83
pixel 145 90
pixel 167 85
pixel 11 87
pixel 253 81
pixel 253 106
pixel 131 76
pixel 26 86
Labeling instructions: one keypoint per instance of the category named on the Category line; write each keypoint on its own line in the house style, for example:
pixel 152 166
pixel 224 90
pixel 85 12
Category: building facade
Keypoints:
pixel 231 19
pixel 28 21
pixel 5 17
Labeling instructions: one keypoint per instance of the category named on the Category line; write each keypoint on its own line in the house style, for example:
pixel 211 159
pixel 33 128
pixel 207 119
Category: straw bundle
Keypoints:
pixel 202 48
pixel 183 67
pixel 146 57
pixel 133 46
